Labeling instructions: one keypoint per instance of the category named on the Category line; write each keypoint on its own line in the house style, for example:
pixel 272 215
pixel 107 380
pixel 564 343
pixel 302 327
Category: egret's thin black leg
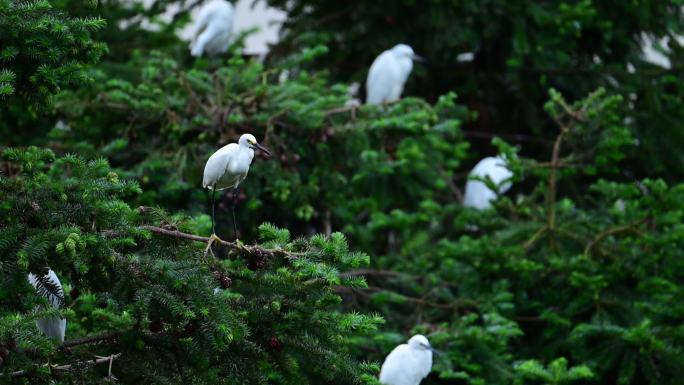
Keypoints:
pixel 213 199
pixel 235 195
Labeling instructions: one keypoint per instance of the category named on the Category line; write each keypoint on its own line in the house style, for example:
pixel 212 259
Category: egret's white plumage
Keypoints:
pixel 213 29
pixel 477 194
pixel 52 327
pixel 228 167
pixel 388 74
pixel 408 363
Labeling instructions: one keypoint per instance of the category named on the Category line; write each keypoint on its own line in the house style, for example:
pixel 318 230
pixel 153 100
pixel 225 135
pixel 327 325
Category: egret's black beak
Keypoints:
pixel 419 58
pixel 428 347
pixel 262 148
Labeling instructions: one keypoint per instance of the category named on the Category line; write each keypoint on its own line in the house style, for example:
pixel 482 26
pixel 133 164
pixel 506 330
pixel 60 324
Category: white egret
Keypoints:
pixel 213 29
pixel 388 74
pixel 408 363
pixel 477 194
pixel 227 168
pixel 52 327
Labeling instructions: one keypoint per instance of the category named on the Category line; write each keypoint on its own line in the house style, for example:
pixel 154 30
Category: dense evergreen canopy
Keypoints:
pixel 574 276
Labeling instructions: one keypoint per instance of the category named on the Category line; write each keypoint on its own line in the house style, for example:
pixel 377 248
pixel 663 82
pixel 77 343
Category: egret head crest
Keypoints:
pixel 420 342
pixel 403 50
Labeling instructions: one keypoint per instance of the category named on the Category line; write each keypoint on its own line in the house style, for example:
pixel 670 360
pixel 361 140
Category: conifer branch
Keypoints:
pixel 93 339
pixel 97 360
pixel 612 231
pixel 254 250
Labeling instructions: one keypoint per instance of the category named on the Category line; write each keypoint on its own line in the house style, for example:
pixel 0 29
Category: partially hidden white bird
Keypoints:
pixel 388 74
pixel 52 327
pixel 477 194
pixel 408 363
pixel 227 168
pixel 213 29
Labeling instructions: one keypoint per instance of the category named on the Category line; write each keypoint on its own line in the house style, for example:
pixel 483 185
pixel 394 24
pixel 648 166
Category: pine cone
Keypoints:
pixel 274 344
pixel 256 260
pixel 223 280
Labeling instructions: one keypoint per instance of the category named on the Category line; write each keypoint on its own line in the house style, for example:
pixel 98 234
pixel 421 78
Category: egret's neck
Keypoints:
pixel 406 65
pixel 245 151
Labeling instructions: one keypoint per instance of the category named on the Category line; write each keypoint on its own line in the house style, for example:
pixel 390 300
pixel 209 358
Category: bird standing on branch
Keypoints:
pixel 408 363
pixel 50 287
pixel 388 74
pixel 227 168
pixel 213 29
pixel 477 194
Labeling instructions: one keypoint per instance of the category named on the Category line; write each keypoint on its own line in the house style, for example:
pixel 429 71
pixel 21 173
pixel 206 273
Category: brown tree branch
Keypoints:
pixel 254 250
pixel 93 339
pixel 66 367
pixel 612 231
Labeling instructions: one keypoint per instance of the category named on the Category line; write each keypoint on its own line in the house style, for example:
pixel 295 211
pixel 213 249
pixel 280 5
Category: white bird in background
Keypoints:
pixel 388 74
pixel 408 363
pixel 477 194
pixel 52 327
pixel 213 29
pixel 227 168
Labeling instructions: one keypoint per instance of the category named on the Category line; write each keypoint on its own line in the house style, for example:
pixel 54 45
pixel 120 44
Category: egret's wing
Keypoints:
pixel 217 164
pixel 202 21
pixel 218 13
pixel 382 79
pixel 401 368
pixel 477 194
pixel 48 286
pixel 52 327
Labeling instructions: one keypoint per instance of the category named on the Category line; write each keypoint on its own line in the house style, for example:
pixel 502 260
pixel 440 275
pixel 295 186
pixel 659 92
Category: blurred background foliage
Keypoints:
pixel 575 275
pixel 519 50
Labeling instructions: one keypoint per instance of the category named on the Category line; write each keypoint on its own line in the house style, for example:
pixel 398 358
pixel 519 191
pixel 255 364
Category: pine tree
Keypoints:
pixel 148 303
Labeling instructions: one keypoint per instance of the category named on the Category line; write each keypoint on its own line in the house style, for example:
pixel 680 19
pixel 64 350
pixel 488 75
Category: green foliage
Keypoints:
pixel 44 49
pixel 573 276
pixel 153 296
pixel 331 164
pixel 556 373
pixel 520 49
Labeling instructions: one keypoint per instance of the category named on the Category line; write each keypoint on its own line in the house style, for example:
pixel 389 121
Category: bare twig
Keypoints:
pixel 97 360
pixel 521 138
pixel 612 231
pixel 231 245
pixel 90 339
pixel 554 165
pixel 338 110
pixel 542 230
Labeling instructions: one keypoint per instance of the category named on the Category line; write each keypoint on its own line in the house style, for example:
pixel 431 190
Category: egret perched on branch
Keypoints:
pixel 227 168
pixel 388 74
pixel 408 363
pixel 48 286
pixel 213 29
pixel 477 194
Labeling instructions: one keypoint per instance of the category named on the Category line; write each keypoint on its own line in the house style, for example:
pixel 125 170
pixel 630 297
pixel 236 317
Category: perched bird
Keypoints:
pixel 477 194
pixel 213 29
pixel 388 74
pixel 227 168
pixel 49 286
pixel 408 363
